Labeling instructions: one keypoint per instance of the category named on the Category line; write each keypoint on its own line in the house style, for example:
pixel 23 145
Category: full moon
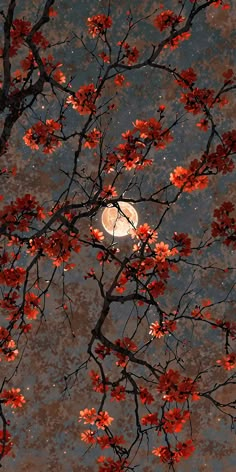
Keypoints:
pixel 115 223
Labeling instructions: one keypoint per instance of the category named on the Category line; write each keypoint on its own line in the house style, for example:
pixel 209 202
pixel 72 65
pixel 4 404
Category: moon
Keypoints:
pixel 115 223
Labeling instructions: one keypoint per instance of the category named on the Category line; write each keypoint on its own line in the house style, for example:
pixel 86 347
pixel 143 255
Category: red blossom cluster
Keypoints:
pixel 162 251
pixel 12 398
pixel 105 441
pixel 150 419
pixel 102 351
pixel 8 345
pixel 98 24
pixel 108 191
pixel 140 267
pixel 96 234
pixel 225 226
pixel 227 326
pixel 13 277
pixel 5 442
pixel 199 311
pixel 183 450
pixel 145 396
pixel 42 134
pixel 228 362
pixel 104 57
pixel 89 436
pixel 176 387
pixel 20 31
pixel 118 393
pixel 84 99
pixel 51 68
pixel 129 345
pixel 174 420
pixel 197 99
pixel 99 384
pixel 158 331
pixel 174 43
pixel 130 53
pixel 184 241
pixel 218 3
pixel 188 179
pixel 20 213
pixel 220 160
pixel 92 139
pixel 146 133
pixel 31 306
pixel 229 76
pixel 144 233
pixel 119 80
pixel 8 304
pixel 107 464
pixel 187 78
pixel 167 19
pixel 102 419
pixel 151 131
pixel 156 288
pixel 106 257
pixel 58 247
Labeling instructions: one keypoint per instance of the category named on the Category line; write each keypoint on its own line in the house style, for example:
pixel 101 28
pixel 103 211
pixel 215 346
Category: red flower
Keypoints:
pixel 13 398
pixel 182 239
pixel 119 79
pixel 98 383
pixel 156 288
pixel 187 79
pixel 175 419
pixel 108 192
pixel 145 396
pixel 107 464
pixel 118 393
pixel 151 419
pixel 43 134
pixel 196 100
pixel 88 436
pixel 88 416
pixel 185 177
pixel 84 100
pixel 103 420
pixel 203 124
pixel 144 233
pixel 5 442
pixel 12 277
pixel 177 388
pixel 157 331
pixel 104 57
pixel 228 75
pixel 167 19
pixel 96 234
pixel 131 53
pixel 52 12
pixel 165 454
pixel 228 362
pixel 98 24
pixel 92 139
pixel 174 42
pixel 102 351
pixel 184 449
pixel 225 226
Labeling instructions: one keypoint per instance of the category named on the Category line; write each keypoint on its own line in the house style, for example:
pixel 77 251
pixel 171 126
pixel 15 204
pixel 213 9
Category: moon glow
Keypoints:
pixel 115 223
